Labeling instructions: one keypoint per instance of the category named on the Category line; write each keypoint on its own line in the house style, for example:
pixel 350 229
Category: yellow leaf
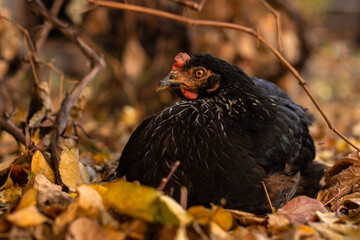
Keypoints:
pixel 27 217
pixel 222 218
pixel 134 200
pixel 101 191
pixel 69 168
pixel 200 213
pixel 40 165
pixel 8 183
pixel 171 212
pixel 28 199
pixel 11 195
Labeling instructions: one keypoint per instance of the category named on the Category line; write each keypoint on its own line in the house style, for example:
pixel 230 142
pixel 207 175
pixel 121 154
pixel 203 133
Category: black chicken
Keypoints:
pixel 230 133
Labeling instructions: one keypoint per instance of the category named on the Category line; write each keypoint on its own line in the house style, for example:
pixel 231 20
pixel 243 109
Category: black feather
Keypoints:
pixel 227 141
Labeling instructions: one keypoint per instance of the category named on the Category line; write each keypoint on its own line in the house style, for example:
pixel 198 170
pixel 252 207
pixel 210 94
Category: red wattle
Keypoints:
pixel 188 94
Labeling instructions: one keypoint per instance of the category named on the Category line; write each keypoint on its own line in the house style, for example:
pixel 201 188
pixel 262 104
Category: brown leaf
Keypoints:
pixel 88 204
pixel 86 229
pixel 246 218
pixel 301 209
pixel 336 231
pixel 276 221
pixel 345 171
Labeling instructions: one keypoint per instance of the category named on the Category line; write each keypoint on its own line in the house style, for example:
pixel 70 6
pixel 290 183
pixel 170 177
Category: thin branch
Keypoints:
pixel 277 17
pixel 193 5
pixel 268 197
pixel 98 64
pixel 164 181
pixel 10 127
pixel 250 31
pixel 57 4
pixel 29 46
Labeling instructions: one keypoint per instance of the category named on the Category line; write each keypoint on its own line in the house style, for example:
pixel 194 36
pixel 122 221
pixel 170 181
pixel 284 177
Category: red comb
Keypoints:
pixel 180 60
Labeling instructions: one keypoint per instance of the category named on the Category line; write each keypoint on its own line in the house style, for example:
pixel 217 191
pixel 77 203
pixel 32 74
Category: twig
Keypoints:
pixel 164 181
pixel 337 196
pixel 183 197
pixel 193 5
pixel 277 17
pixel 10 127
pixel 268 197
pixel 29 46
pixel 98 64
pixel 250 31
pixel 56 6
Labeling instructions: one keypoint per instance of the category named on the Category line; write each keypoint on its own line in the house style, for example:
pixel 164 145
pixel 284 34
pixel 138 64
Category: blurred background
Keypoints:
pixel 320 38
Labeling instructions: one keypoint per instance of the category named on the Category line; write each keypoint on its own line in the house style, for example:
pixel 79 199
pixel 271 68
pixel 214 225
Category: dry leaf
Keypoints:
pixel 134 200
pixel 11 195
pixel 88 204
pixel 40 165
pixel 170 212
pixel 8 183
pixel 276 221
pixel 222 217
pixel 69 168
pixel 246 218
pixel 86 229
pixel 200 213
pixel 28 199
pixel 301 209
pixel 336 231
pixel 26 217
pixel 330 217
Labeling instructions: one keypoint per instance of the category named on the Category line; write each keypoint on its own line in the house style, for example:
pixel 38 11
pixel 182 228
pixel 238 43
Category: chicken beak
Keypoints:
pixel 169 81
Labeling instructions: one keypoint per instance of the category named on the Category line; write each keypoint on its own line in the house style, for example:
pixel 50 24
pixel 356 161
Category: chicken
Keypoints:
pixel 230 133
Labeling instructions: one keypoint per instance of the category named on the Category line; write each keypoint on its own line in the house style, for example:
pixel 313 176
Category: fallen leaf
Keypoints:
pixel 336 231
pixel 170 212
pixel 11 195
pixel 69 168
pixel 28 199
pixel 26 217
pixel 276 221
pixel 200 213
pixel 301 209
pixel 40 182
pixel 86 229
pixel 222 217
pixel 88 204
pixel 134 200
pixel 8 183
pixel 247 219
pixel 331 217
pixel 40 165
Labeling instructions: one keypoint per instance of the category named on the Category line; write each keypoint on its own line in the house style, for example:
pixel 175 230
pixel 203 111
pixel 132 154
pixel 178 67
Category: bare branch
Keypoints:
pixel 277 17
pixel 9 126
pixel 210 23
pixel 98 64
pixel 166 180
pixel 193 5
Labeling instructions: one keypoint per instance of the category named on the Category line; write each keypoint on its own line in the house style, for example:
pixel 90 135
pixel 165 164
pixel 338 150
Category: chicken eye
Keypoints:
pixel 199 73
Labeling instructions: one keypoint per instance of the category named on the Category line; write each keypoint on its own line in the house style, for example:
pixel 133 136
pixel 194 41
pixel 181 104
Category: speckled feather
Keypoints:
pixel 227 141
